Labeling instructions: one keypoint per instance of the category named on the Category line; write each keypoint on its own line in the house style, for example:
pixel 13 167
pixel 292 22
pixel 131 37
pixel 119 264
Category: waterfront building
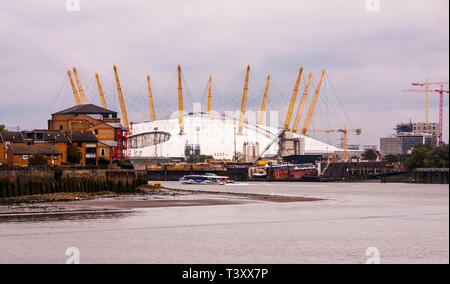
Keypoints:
pixel 404 142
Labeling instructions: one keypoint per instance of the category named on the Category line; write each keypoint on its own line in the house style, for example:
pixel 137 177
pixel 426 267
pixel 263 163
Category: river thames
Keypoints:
pixel 402 223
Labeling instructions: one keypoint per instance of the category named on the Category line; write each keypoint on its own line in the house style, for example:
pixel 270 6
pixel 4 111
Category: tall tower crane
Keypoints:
pixel 287 123
pixel 100 91
pixel 313 105
pixel 209 108
pixel 122 102
pixel 74 89
pixel 180 102
pixel 150 100
pixel 441 93
pixel 244 102
pixel 262 114
pixel 301 106
pixel 80 88
pixel 345 133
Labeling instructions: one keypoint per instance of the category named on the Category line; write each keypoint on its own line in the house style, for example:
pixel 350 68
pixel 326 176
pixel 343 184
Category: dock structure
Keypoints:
pixel 431 175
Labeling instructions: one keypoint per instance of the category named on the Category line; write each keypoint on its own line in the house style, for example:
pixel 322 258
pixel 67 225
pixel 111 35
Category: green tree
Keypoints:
pixel 391 158
pixel 199 159
pixel 2 127
pixel 37 161
pixel 369 155
pixel 427 156
pixel 73 155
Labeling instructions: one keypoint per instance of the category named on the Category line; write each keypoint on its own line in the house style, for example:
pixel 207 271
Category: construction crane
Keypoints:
pixel 262 114
pixel 122 102
pixel 441 93
pixel 427 85
pixel 270 144
pixel 100 91
pixel 313 105
pixel 80 88
pixel 74 89
pixel 180 102
pixel 301 106
pixel 244 102
pixel 150 100
pixel 345 133
pixel 287 123
pixel 209 108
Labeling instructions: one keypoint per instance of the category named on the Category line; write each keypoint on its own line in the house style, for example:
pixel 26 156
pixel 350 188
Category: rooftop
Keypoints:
pixel 35 150
pixel 11 136
pixel 81 136
pixel 87 109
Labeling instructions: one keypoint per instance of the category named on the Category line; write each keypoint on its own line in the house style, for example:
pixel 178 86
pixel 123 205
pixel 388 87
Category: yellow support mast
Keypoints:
pixel 244 102
pixel 180 102
pixel 150 100
pixel 313 105
pixel 287 123
pixel 100 91
pixel 80 88
pixel 122 102
pixel 209 109
pixel 74 89
pixel 262 114
pixel 301 106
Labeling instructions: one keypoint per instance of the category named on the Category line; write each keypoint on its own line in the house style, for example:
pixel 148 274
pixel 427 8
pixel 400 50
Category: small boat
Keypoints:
pixel 260 173
pixel 205 179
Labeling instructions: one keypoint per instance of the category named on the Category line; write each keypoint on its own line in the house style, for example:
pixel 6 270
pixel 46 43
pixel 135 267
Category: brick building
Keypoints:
pixel 102 122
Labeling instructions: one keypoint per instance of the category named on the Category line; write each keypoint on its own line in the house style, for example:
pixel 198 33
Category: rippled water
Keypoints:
pixel 408 223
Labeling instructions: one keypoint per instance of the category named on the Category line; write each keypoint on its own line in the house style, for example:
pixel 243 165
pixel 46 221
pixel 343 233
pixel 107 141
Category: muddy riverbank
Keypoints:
pixel 147 196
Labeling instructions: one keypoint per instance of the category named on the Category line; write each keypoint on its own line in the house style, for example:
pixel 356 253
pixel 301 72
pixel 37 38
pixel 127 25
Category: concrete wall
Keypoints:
pixel 42 181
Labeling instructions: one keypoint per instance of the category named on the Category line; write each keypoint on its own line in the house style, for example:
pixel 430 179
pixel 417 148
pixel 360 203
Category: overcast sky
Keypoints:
pixel 369 56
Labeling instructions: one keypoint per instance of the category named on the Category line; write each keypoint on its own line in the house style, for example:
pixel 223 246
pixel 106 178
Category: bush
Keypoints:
pixel 125 164
pixel 103 161
pixel 73 155
pixel 369 155
pixel 427 156
pixel 37 161
pixel 392 158
pixel 57 172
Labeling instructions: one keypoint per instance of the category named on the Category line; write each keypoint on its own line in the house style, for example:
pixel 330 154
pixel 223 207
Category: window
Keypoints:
pixel 25 157
pixel 96 131
pixel 8 144
pixel 60 127
pixel 102 152
pixel 80 144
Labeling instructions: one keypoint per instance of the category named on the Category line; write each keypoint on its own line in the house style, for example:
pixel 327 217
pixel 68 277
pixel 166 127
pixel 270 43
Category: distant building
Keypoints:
pixel 402 143
pixel 427 128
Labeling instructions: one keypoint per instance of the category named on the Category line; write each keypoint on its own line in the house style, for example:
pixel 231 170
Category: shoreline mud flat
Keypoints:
pixel 107 203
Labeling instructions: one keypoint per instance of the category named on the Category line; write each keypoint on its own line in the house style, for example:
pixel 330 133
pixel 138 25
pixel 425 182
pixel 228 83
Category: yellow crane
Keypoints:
pixel 345 133
pixel 74 89
pixel 80 88
pixel 122 102
pixel 287 123
pixel 313 105
pixel 264 102
pixel 150 100
pixel 100 91
pixel 209 109
pixel 244 102
pixel 180 102
pixel 301 106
